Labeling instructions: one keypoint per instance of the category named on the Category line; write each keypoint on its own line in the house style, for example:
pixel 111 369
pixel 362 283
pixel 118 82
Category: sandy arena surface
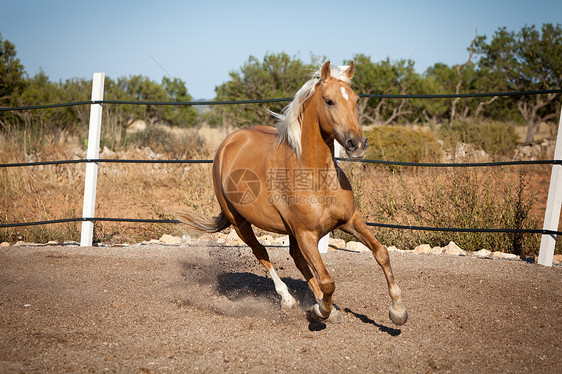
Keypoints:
pixel 212 309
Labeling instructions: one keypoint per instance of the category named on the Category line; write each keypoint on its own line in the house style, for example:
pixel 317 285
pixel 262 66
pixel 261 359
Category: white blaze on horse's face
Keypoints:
pixel 340 117
pixel 344 94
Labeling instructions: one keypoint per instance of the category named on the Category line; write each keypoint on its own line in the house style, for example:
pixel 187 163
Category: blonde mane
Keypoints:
pixel 289 126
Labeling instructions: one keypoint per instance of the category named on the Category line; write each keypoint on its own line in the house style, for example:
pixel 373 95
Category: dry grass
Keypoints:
pixel 464 198
pixel 27 194
pixel 124 191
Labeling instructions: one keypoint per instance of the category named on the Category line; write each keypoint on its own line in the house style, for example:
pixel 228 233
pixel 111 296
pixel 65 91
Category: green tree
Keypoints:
pixel 118 118
pixel 386 78
pixel 34 127
pixel 441 78
pixel 141 88
pixel 12 82
pixel 12 74
pixel 529 59
pixel 176 90
pixel 277 76
pixel 445 80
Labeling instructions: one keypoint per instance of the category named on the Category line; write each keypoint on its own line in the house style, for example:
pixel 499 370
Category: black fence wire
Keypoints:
pixel 365 161
pixel 383 225
pixel 264 101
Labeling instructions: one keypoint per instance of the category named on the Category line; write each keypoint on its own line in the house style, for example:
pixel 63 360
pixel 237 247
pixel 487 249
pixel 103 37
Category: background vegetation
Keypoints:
pixel 404 130
pixel 529 59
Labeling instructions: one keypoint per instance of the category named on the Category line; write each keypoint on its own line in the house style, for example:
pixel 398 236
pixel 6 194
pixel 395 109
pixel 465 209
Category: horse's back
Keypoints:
pixel 253 132
pixel 246 147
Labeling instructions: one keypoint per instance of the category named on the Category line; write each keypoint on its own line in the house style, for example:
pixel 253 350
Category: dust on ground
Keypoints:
pixel 153 309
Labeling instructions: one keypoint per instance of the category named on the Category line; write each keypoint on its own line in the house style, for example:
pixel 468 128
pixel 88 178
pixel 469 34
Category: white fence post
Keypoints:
pixel 325 240
pixel 553 204
pixel 323 243
pixel 91 179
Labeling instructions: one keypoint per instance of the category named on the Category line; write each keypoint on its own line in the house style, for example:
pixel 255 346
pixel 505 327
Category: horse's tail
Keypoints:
pixel 199 223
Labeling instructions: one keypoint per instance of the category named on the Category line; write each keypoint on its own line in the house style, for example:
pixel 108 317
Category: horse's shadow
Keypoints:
pixel 241 286
pixel 236 286
pixel 389 330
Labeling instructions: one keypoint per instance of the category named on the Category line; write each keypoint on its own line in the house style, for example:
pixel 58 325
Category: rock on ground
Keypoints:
pixel 484 253
pixel 453 250
pixel 170 240
pixel 356 247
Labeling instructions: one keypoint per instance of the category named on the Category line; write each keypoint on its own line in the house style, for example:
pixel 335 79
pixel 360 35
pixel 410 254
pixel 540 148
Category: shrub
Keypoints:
pixel 160 140
pixel 400 143
pixel 469 198
pixel 495 138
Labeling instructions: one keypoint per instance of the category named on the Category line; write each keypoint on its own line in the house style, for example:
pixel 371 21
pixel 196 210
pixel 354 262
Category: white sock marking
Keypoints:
pixel 282 290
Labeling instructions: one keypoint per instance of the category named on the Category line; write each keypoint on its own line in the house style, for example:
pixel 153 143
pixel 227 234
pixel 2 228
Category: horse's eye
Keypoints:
pixel 328 102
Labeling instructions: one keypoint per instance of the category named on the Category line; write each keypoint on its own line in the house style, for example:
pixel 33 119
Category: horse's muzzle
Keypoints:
pixel 356 147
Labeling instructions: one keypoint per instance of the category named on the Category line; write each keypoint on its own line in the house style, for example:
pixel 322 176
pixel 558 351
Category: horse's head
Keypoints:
pixel 337 110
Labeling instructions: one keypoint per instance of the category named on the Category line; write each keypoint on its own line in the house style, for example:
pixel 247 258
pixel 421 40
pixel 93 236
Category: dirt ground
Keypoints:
pixel 208 308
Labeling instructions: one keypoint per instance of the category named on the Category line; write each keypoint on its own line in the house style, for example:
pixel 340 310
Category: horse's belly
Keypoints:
pixel 265 217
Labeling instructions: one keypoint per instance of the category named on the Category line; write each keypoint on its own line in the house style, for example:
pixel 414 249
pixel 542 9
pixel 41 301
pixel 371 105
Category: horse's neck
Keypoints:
pixel 317 147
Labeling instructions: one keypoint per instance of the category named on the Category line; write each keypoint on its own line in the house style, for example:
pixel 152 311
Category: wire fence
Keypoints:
pixel 277 100
pixel 264 101
pixel 366 161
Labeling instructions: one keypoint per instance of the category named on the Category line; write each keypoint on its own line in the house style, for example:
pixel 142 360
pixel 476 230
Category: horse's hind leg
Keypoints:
pixel 357 227
pixel 244 230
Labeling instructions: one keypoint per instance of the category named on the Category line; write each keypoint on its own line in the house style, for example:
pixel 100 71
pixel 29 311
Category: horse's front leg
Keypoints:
pixel 308 245
pixel 357 227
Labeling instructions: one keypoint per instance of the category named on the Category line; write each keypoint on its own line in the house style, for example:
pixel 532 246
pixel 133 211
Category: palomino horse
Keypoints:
pixel 286 180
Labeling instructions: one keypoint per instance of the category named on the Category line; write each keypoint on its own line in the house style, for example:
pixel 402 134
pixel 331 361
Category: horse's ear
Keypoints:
pixel 326 72
pixel 350 70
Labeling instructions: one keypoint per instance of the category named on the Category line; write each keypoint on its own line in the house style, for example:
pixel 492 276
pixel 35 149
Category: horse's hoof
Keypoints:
pixel 335 316
pixel 319 314
pixel 398 314
pixel 288 303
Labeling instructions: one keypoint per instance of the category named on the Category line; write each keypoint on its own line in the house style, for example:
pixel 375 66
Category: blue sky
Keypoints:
pixel 202 41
